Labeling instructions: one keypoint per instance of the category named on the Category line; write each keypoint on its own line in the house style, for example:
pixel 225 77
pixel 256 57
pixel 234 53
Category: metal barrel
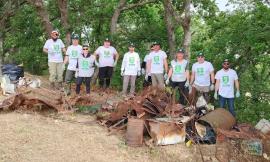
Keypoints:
pixel 219 118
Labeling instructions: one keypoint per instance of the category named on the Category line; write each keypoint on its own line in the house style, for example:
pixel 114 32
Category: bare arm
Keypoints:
pixel 217 85
pixel 45 50
pixel 116 57
pixel 148 66
pixel 66 59
pixel 192 77
pixel 165 65
pixel 212 75
pixel 64 50
pixel 187 75
pixel 170 73
pixel 236 82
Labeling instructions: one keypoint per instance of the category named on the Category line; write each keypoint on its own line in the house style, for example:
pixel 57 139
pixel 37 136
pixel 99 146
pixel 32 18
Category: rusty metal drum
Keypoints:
pixel 134 135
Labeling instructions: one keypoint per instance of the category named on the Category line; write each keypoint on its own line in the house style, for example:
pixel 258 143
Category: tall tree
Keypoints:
pixel 63 7
pixel 122 6
pixel 43 14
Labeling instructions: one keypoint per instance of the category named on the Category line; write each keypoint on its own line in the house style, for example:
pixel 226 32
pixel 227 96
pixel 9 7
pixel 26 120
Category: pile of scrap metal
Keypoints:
pixel 36 99
pixel 154 112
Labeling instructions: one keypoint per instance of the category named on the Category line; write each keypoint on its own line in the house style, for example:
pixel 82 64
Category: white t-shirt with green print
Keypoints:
pixel 157 61
pixel 202 73
pixel 86 65
pixel 106 56
pixel 54 50
pixel 179 70
pixel 131 63
pixel 226 84
pixel 73 53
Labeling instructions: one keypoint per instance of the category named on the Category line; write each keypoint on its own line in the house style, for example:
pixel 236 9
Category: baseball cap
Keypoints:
pixel 200 54
pixel 182 51
pixel 131 45
pixel 55 31
pixel 75 36
pixel 107 40
pixel 156 43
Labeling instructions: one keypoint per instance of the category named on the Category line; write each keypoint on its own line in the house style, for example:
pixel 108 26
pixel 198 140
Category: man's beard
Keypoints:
pixel 226 68
pixel 54 39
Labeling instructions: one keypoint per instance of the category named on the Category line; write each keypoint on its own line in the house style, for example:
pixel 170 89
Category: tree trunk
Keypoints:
pixel 63 7
pixel 116 15
pixel 186 27
pixel 170 27
pixel 43 14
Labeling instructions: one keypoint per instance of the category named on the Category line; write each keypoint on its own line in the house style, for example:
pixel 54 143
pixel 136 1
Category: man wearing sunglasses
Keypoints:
pixel 55 48
pixel 73 52
pixel 226 79
pixel 107 60
pixel 202 76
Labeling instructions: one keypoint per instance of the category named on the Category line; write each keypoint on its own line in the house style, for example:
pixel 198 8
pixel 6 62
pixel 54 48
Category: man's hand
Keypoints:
pixel 237 94
pixel 143 71
pixel 139 73
pixel 146 77
pixel 76 73
pixel 215 95
pixel 165 76
pixel 212 87
pixel 115 63
pixel 167 82
pixel 187 84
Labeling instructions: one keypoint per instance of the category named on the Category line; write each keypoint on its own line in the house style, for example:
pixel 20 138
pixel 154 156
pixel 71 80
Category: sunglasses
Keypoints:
pixel 85 48
pixel 226 63
pixel 200 56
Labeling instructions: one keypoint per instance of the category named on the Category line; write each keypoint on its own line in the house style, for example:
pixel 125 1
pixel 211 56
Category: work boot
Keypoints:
pixel 52 85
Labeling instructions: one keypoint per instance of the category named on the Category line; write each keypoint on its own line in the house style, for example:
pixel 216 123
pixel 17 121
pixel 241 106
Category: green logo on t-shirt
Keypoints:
pixel 131 61
pixel 156 59
pixel 200 71
pixel 177 69
pixel 225 80
pixel 106 54
pixel 74 53
pixel 85 64
pixel 56 47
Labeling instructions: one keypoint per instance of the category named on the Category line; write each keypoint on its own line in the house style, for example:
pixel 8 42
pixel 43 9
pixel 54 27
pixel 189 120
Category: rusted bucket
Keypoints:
pixel 219 118
pixel 134 135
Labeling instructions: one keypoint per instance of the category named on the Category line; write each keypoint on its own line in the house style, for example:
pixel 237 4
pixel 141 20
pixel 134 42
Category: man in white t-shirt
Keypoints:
pixel 55 48
pixel 72 54
pixel 107 60
pixel 226 79
pixel 157 61
pixel 203 77
pixel 130 69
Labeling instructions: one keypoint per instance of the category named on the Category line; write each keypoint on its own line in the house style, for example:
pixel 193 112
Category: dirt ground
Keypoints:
pixel 32 137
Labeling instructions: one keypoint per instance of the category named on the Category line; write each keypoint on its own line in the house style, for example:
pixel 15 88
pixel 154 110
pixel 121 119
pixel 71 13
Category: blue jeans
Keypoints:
pixel 230 102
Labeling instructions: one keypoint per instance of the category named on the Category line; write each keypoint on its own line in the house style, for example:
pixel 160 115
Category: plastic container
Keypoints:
pixel 263 125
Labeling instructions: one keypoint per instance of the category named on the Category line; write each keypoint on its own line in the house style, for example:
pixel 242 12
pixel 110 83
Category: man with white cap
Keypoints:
pixel 55 48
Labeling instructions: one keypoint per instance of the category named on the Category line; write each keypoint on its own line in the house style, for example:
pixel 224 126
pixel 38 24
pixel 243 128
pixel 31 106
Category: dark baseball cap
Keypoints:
pixel 156 43
pixel 131 45
pixel 75 36
pixel 182 51
pixel 107 40
pixel 200 54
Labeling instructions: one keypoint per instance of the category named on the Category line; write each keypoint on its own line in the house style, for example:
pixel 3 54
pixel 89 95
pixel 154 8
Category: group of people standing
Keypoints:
pixel 154 67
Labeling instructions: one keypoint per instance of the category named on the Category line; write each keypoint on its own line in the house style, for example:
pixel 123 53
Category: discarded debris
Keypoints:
pixel 263 125
pixel 30 99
